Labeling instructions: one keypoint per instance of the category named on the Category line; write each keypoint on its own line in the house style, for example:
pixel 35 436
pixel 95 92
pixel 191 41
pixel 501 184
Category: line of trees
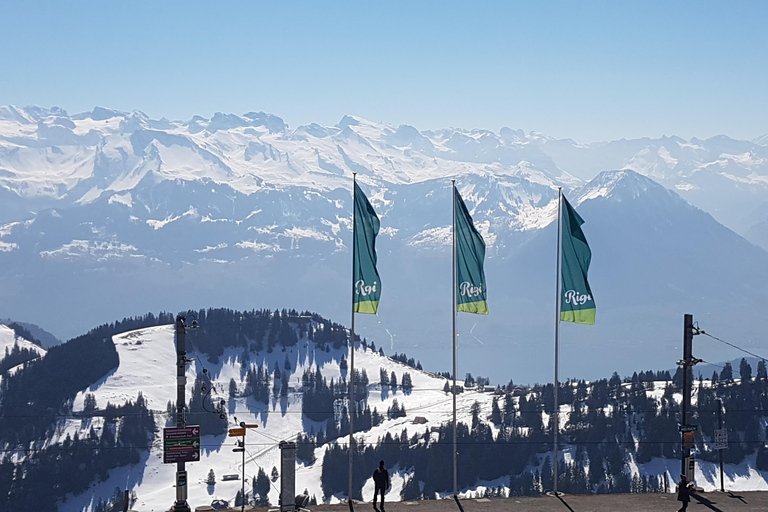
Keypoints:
pixel 613 425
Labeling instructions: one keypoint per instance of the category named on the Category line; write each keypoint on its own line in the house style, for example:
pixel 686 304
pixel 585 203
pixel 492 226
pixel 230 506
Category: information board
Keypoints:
pixel 181 444
pixel 721 439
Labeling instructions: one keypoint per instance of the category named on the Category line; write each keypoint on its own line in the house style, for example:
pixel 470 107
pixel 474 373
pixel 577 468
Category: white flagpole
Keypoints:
pixel 453 324
pixel 351 409
pixel 557 332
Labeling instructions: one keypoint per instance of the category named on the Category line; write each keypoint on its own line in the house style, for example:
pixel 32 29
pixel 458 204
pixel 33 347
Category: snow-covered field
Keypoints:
pixel 147 365
pixel 8 339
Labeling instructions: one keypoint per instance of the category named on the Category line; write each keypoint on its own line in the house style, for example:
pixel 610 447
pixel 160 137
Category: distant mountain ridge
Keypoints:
pixel 116 150
pixel 107 213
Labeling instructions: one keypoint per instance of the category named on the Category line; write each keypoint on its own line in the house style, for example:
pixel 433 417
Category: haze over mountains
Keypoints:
pixel 107 214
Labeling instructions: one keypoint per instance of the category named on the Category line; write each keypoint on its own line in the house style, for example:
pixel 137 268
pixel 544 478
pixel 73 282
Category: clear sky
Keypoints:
pixel 585 70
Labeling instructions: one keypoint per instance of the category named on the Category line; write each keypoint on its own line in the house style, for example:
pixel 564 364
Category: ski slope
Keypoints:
pixel 8 339
pixel 147 365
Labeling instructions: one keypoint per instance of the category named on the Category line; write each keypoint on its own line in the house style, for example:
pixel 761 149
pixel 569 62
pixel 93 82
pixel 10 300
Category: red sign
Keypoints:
pixel 181 432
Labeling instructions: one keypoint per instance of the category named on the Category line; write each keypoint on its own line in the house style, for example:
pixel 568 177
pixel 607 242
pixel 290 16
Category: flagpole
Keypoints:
pixel 557 333
pixel 453 324
pixel 350 411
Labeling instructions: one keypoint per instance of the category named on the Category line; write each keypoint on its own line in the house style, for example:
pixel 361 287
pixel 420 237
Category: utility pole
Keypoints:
pixel 181 504
pixel 720 451
pixel 242 491
pixel 240 432
pixel 687 363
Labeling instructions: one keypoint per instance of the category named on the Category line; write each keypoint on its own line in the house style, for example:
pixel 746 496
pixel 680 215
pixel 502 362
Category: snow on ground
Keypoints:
pixel 147 364
pixel 8 339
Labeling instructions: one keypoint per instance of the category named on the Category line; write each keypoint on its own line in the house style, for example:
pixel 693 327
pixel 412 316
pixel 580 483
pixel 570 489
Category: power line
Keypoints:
pixel 712 364
pixel 701 331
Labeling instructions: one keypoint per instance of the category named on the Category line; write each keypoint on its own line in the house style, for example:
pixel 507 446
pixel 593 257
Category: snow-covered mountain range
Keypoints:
pixel 108 213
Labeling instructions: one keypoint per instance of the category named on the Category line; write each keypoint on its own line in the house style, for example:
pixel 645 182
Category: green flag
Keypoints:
pixel 470 253
pixel 366 288
pixel 576 303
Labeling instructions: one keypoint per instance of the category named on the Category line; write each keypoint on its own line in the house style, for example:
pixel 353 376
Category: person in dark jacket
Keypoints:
pixel 381 483
pixel 684 492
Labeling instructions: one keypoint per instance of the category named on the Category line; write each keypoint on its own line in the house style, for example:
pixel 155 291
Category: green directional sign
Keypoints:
pixel 175 443
pixel 688 428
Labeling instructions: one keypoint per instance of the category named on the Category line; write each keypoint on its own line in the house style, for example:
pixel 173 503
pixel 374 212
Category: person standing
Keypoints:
pixel 684 492
pixel 381 484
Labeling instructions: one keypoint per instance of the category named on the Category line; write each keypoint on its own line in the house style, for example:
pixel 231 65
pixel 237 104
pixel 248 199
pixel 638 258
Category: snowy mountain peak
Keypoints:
pixel 348 120
pixel 619 185
pixel 99 114
pixel 512 134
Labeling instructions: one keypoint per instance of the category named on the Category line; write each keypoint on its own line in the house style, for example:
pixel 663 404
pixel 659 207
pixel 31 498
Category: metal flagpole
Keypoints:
pixel 453 324
pixel 557 332
pixel 352 347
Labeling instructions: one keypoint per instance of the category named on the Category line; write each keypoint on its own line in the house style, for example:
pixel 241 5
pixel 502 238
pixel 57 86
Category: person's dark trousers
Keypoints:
pixel 685 507
pixel 376 492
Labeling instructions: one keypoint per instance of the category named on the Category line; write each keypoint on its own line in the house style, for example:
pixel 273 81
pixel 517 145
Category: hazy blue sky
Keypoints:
pixel 585 70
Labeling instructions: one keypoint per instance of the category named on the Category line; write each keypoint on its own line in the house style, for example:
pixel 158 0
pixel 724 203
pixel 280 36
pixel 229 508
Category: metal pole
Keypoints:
pixel 351 411
pixel 181 381
pixel 556 426
pixel 720 452
pixel 687 364
pixel 455 356
pixel 242 500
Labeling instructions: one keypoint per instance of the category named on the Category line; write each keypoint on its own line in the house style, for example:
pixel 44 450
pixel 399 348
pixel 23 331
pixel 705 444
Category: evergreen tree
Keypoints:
pixel 761 462
pixel 89 403
pixel 407 383
pixel 411 490
pixel 495 411
pixel 261 488
pixel 383 377
pixel 726 374
pixel 745 371
pixel 761 371
pixel 475 411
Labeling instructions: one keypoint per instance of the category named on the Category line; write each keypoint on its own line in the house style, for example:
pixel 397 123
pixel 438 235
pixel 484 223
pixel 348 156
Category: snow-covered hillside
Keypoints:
pixel 147 358
pixel 9 340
